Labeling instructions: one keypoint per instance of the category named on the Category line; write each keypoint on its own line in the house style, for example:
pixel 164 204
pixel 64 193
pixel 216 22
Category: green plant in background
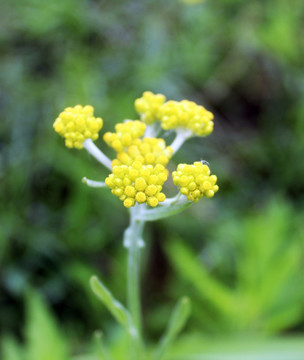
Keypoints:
pixel 43 338
pixel 248 71
pixel 261 290
pixel 138 175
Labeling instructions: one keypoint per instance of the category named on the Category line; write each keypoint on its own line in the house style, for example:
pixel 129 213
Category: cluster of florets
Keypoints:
pixel 148 106
pixel 138 171
pixel 148 151
pixel 138 183
pixel 195 181
pixel 77 124
pixel 186 114
pixel 125 134
pixel 174 114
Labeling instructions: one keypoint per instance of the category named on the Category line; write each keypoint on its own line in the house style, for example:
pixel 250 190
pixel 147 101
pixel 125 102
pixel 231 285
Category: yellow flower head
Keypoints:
pixel 148 151
pixel 138 171
pixel 77 124
pixel 186 114
pixel 125 134
pixel 138 183
pixel 148 106
pixel 195 181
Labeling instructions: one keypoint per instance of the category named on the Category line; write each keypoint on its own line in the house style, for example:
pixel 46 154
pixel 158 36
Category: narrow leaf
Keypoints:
pixel 120 313
pixel 102 352
pixel 45 340
pixel 193 271
pixel 11 350
pixel 177 321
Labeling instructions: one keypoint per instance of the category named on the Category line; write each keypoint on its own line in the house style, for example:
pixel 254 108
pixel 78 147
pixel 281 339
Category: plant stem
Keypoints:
pixel 97 153
pixel 133 242
pixel 181 137
pixel 93 183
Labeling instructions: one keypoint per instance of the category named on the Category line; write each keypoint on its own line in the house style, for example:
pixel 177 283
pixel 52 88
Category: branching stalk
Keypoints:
pixel 133 242
pixel 97 153
pixel 93 183
pixel 172 207
pixel 181 137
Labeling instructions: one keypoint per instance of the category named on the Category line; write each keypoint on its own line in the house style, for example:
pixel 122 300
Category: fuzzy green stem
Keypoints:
pixel 134 278
pixel 133 241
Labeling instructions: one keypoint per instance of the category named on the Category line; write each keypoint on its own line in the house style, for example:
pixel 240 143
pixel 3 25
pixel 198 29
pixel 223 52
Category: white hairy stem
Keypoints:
pixel 97 153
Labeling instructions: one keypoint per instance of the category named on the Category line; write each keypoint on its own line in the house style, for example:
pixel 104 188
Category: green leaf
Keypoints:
pixel 196 346
pixel 10 349
pixel 119 312
pixel 101 349
pixel 177 321
pixel 194 272
pixel 44 339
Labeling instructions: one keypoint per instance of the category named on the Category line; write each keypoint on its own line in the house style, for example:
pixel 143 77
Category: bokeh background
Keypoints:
pixel 238 256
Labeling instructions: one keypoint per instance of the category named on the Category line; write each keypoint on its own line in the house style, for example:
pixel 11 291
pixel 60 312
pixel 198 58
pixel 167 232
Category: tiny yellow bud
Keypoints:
pixel 130 191
pixel 161 197
pixel 207 185
pixel 209 193
pixel 192 186
pixel 152 201
pixel 151 190
pixel 118 192
pixel 140 184
pixel 129 202
pixel 140 197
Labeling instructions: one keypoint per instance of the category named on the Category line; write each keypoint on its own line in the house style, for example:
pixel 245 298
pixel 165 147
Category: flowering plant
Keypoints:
pixel 137 176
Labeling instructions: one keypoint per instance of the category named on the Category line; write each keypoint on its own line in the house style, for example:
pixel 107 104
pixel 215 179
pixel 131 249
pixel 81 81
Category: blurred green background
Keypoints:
pixel 238 256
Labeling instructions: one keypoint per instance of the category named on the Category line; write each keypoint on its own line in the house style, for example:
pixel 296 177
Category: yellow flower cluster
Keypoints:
pixel 186 114
pixel 139 170
pixel 125 134
pixel 195 181
pixel 148 151
pixel 148 106
pixel 138 183
pixel 174 114
pixel 77 124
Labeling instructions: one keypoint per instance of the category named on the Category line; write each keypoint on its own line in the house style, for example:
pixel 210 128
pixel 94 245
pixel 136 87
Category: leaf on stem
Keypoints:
pixel 192 270
pixel 102 352
pixel 120 313
pixel 162 212
pixel 177 321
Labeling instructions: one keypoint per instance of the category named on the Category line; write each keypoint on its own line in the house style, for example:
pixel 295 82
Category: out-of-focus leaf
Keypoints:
pixel 11 350
pixel 45 341
pixel 197 347
pixel 192 2
pixel 267 291
pixel 101 349
pixel 191 269
pixel 176 322
pixel 119 312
